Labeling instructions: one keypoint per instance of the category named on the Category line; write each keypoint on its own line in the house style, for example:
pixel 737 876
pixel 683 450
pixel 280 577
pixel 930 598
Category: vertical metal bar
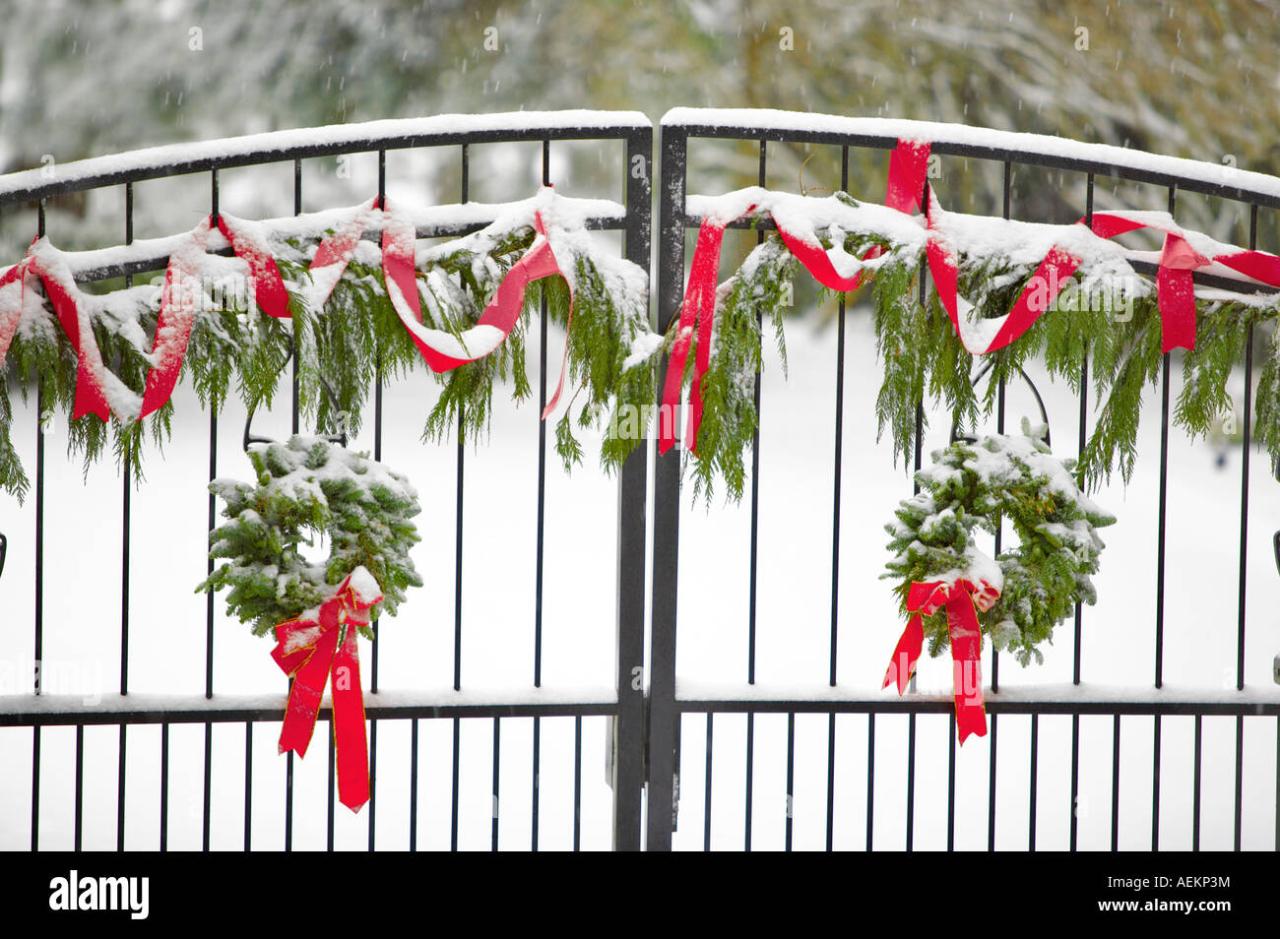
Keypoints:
pixel 1155 787
pixel 539 565
pixel 39 585
pixel 706 806
pixel 1115 784
pixel 79 812
pixel 750 780
pixel 288 801
pixel 1195 793
pixel 294 427
pixel 125 494
pixel 373 782
pixel 871 778
pixel 212 516
pixel 1075 779
pixel 248 784
pixel 1000 410
pixel 453 827
pixel 1246 448
pixel 333 750
pixel 1076 638
pixel 1239 811
pixel 666 514
pixel 126 509
pixel 1164 494
pixel 911 782
pixel 164 787
pixel 577 785
pixel 1081 439
pixel 791 775
pixel 991 785
pixel 754 562
pixel 831 780
pixel 35 788
pixel 376 619
pixel 839 458
pixel 457 578
pixel 497 762
pixel 632 514
pixel 1035 754
pixel 293 398
pixel 120 788
pixel 951 782
pixel 208 787
pixel 413 785
pixel 835 533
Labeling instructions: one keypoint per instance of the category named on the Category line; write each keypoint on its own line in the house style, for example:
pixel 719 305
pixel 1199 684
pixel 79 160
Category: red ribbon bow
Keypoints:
pixel 308 650
pixel 924 598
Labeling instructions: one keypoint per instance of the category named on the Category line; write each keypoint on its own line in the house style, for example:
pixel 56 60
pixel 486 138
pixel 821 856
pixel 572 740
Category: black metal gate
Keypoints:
pixel 647 711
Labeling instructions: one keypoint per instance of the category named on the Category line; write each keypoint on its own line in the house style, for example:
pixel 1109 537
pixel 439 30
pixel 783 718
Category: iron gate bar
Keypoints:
pixel 949 139
pixel 70 711
pixel 1002 703
pixel 284 145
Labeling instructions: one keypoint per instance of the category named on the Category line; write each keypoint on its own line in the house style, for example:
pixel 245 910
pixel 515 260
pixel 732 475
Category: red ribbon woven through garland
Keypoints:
pixel 179 305
pixel 908 169
pixel 441 350
pixel 310 650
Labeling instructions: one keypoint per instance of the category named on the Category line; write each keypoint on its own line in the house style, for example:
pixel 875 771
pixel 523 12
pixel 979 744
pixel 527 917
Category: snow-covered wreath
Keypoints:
pixel 309 490
pixel 1022 594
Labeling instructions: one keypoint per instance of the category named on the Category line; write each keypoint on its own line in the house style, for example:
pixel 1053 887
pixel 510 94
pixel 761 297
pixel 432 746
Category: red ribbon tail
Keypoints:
pixel 90 396
pixel 696 312
pixel 705 272
pixel 179 305
pixel 1175 295
pixel 905 655
pixel 349 735
pixel 309 676
pixel 966 651
pixel 908 170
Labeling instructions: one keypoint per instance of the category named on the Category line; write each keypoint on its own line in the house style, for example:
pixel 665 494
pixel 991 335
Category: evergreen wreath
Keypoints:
pixel 969 488
pixel 309 489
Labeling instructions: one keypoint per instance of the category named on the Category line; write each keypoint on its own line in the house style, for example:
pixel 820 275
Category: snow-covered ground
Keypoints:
pixel 82 600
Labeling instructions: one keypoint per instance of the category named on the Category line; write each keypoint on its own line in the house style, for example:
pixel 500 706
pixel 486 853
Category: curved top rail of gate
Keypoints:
pixel 301 143
pixel 1215 179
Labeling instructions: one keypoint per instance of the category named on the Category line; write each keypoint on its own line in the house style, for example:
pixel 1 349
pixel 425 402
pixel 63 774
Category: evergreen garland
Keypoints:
pixel 308 489
pixel 355 337
pixel 1106 316
pixel 969 488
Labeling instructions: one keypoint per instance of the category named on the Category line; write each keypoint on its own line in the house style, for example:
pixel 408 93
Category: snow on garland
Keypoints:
pixel 306 490
pixel 341 320
pixel 993 281
pixel 952 591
